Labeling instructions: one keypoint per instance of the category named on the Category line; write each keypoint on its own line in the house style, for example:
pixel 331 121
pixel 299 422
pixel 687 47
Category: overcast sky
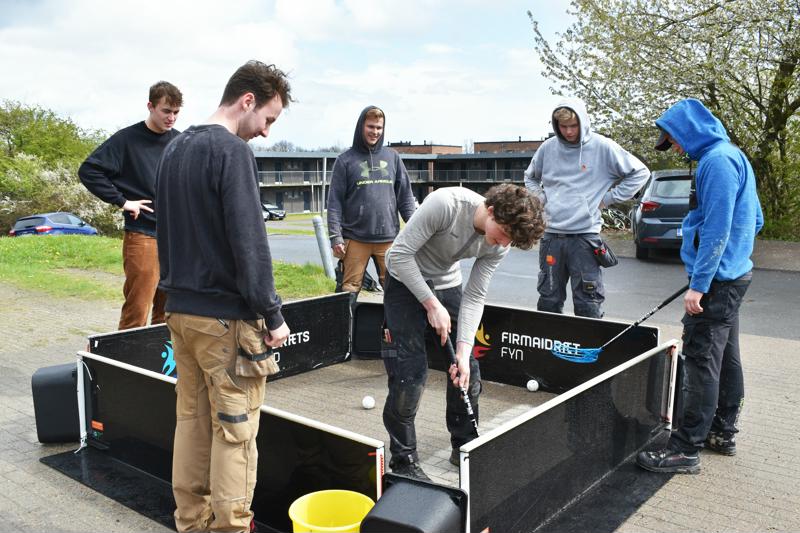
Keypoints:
pixel 444 71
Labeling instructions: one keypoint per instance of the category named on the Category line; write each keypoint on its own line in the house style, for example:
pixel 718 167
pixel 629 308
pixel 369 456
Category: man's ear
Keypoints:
pixel 248 101
pixel 150 107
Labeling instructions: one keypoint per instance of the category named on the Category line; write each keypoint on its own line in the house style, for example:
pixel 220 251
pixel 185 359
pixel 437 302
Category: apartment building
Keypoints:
pixel 298 181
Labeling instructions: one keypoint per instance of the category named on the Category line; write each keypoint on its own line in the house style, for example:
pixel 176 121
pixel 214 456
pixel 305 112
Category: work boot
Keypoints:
pixel 717 442
pixel 455 457
pixel 669 461
pixel 408 467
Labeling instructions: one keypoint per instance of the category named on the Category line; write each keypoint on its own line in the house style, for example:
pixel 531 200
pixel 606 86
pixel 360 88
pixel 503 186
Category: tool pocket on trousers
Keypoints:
pixel 232 405
pixel 254 359
pixel 602 252
pixel 591 286
pixel 697 340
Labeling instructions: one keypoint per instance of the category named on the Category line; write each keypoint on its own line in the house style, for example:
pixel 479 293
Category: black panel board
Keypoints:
pixel 367 330
pixel 122 483
pixel 137 490
pixel 137 416
pixel 514 346
pixel 320 337
pixel 607 505
pixel 522 478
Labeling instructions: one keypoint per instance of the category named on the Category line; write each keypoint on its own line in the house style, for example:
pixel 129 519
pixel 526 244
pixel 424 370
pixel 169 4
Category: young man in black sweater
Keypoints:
pixel 222 310
pixel 122 172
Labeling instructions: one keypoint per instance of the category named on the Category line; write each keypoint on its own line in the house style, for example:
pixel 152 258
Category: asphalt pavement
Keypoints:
pixel 757 490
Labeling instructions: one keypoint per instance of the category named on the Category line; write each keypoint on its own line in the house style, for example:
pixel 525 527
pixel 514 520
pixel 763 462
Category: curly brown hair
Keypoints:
pixel 519 212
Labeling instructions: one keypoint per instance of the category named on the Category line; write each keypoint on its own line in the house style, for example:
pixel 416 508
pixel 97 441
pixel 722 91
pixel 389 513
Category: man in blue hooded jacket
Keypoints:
pixel 369 185
pixel 718 237
pixel 576 173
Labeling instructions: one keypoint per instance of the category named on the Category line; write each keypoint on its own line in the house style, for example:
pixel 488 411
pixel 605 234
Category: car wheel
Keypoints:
pixel 642 252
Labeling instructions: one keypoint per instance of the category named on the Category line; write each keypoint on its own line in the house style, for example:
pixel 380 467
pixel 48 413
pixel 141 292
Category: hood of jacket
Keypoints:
pixel 693 126
pixel 579 108
pixel 358 136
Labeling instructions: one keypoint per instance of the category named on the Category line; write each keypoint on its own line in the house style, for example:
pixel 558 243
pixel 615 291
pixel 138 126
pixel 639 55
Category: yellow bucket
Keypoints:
pixel 329 510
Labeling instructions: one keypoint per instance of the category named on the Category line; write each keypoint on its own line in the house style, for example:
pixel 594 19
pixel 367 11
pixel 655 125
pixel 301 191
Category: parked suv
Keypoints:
pixel 51 224
pixel 657 215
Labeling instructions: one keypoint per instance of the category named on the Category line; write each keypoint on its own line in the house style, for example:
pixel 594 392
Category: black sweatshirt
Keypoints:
pixel 368 186
pixel 212 242
pixel 124 168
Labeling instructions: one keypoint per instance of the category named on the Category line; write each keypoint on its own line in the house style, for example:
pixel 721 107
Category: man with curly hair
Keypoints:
pixel 423 292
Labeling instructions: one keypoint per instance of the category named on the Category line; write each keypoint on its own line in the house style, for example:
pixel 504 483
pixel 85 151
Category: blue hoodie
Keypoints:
pixel 572 179
pixel 728 214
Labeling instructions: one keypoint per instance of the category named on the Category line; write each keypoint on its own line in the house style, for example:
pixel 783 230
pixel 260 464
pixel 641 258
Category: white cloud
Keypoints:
pixel 440 49
pixel 442 70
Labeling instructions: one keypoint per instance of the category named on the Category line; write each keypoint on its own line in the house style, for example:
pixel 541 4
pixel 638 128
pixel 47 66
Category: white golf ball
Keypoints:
pixel 533 385
pixel 368 402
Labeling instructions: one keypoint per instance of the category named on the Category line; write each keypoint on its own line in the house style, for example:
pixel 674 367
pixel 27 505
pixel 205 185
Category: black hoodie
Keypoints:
pixel 369 186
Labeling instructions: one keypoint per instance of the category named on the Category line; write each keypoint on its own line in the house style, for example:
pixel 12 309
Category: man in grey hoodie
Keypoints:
pixel 574 174
pixel 369 186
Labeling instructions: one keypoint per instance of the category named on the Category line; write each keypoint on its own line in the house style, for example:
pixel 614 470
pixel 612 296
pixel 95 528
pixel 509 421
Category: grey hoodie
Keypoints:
pixel 369 185
pixel 574 178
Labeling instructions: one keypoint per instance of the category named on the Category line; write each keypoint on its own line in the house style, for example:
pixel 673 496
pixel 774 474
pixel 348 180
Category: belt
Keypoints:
pixel 568 235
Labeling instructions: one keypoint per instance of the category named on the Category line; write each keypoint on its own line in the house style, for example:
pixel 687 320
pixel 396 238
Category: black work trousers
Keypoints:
pixel 406 365
pixel 713 382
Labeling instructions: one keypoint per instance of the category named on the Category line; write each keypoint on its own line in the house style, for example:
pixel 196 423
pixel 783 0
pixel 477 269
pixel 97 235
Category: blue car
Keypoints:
pixel 51 224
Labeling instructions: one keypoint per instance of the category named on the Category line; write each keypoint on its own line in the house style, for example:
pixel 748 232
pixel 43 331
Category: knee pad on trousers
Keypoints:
pixel 407 399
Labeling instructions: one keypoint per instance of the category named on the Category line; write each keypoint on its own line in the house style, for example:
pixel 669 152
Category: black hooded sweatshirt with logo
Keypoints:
pixel 369 185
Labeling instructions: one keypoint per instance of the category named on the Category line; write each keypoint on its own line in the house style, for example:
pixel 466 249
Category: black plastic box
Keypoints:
pixel 416 506
pixel 55 403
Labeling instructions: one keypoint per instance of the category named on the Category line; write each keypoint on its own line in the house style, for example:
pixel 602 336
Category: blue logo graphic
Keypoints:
pixel 169 363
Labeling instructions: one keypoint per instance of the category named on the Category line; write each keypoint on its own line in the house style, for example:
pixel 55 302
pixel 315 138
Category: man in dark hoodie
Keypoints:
pixel 718 237
pixel 222 310
pixel 576 173
pixel 122 172
pixel 369 186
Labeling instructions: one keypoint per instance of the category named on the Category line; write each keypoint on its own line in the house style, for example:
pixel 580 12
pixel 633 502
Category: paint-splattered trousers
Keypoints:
pixel 567 257
pixel 713 382
pixel 215 457
pixel 406 365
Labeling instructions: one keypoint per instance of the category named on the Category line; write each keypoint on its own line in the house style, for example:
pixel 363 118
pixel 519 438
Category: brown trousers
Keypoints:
pixel 215 458
pixel 356 257
pixel 140 262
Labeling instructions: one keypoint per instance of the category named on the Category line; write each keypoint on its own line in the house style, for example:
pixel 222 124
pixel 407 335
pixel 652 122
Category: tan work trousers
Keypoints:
pixel 356 257
pixel 215 457
pixel 140 262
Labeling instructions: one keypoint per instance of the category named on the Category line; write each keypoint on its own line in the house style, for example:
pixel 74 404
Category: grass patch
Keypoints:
pixel 301 281
pixel 42 263
pixel 301 216
pixel 287 231
pixel 79 266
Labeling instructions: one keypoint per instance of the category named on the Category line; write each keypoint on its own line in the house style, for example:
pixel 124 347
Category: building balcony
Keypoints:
pixel 474 176
pixel 289 178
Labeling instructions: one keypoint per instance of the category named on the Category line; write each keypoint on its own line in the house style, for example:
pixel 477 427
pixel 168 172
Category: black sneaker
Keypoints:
pixel 669 461
pixel 409 468
pixel 455 457
pixel 717 442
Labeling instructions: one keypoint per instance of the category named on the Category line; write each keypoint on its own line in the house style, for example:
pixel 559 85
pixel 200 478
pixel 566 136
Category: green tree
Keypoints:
pixel 631 59
pixel 39 157
pixel 41 133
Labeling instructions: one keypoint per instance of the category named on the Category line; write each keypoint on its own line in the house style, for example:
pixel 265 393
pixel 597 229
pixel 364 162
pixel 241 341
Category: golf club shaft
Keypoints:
pixel 464 395
pixel 649 314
